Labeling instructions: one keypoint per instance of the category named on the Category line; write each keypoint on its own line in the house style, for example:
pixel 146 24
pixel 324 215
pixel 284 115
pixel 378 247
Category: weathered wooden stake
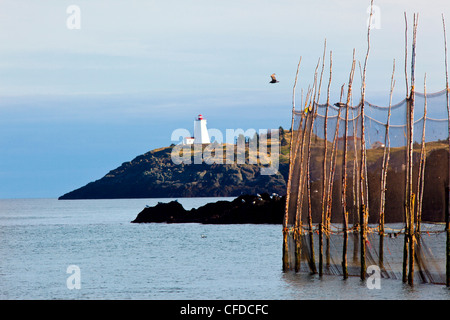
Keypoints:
pixel 333 160
pixel 295 150
pixel 421 177
pixel 406 55
pixel 363 229
pixel 406 217
pixel 344 197
pixel 298 215
pixel 411 232
pixel 298 230
pixel 321 248
pixel 324 194
pixel 344 173
pixel 447 187
pixel 384 170
pixel 363 169
pixel 286 264
pixel 313 114
pixel 324 162
pixel 447 217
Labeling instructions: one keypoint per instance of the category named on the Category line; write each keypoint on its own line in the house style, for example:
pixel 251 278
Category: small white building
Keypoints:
pixel 201 135
pixel 188 140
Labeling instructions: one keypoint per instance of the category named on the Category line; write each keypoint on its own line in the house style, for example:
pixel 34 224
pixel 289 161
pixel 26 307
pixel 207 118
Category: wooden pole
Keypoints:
pixel 447 217
pixel 298 222
pixel 421 177
pixel 411 232
pixel 286 259
pixel 298 230
pixel 363 176
pixel 324 162
pixel 406 55
pixel 386 157
pixel 333 160
pixel 405 243
pixel 310 224
pixel 344 173
pixel 355 208
pixel 362 216
pixel 298 216
pixel 324 195
pixel 321 248
pixel 321 73
pixel 324 224
pixel 312 114
pixel 297 240
pixel 420 185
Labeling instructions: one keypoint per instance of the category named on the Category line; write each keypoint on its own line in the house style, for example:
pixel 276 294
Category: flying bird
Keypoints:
pixel 340 104
pixel 274 80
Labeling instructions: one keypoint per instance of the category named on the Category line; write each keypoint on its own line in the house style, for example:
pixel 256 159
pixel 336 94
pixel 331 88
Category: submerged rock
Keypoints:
pixel 252 209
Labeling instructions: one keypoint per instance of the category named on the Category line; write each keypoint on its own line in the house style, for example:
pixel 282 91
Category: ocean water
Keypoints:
pixel 115 259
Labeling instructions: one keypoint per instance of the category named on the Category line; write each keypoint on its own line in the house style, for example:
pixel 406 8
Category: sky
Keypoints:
pixel 76 103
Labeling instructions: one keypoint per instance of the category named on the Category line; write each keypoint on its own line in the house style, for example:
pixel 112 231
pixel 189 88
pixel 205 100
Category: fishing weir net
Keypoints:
pixel 363 191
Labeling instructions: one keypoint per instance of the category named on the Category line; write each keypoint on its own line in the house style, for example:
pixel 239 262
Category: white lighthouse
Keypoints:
pixel 200 132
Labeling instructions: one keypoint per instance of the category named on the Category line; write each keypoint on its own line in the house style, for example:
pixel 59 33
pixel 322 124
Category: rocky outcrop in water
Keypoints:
pixel 254 209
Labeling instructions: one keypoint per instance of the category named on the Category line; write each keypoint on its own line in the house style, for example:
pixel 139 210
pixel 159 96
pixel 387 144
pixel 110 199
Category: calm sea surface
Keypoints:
pixel 41 238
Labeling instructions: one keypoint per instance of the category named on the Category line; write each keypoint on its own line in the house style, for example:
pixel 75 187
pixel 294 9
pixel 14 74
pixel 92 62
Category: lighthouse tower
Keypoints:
pixel 200 132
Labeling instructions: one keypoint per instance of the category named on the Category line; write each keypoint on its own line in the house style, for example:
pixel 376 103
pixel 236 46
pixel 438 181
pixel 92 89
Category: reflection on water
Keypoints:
pixel 40 238
pixel 306 286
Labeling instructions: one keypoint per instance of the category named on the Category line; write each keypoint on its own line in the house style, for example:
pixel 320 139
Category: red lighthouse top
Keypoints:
pixel 200 117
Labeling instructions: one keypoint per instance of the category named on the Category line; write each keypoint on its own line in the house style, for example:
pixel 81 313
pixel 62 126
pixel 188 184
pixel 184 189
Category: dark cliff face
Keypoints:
pixel 154 175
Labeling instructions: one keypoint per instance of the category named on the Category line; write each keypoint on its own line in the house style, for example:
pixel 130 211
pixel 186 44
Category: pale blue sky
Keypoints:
pixel 75 104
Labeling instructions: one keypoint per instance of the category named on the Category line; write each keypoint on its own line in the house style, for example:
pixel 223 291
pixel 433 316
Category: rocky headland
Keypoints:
pixel 155 175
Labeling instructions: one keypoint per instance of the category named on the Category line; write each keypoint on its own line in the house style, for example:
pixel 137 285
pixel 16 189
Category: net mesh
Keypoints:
pixel 338 204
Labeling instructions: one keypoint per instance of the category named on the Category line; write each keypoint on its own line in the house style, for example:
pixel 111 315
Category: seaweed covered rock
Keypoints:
pixel 251 209
pixel 162 212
